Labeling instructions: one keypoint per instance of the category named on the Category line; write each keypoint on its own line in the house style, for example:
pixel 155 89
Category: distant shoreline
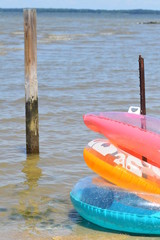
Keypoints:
pixel 67 10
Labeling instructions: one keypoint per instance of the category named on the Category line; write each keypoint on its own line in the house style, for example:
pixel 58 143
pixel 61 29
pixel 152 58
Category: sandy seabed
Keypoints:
pixel 81 235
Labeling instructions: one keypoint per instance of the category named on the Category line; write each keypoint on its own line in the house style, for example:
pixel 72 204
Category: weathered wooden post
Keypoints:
pixel 142 85
pixel 31 83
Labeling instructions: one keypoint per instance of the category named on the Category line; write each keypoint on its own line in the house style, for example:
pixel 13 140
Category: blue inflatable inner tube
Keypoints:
pixel 111 207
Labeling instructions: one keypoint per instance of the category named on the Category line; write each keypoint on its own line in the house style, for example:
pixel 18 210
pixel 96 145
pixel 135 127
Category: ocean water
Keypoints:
pixel 87 61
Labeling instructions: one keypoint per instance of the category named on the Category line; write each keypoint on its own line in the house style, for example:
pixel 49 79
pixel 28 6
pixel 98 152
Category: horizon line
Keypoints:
pixel 77 9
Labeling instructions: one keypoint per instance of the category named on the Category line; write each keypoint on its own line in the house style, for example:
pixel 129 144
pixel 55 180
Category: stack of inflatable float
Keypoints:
pixel 126 194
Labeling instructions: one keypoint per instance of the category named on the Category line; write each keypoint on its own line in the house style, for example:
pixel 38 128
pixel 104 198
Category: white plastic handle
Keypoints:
pixel 133 109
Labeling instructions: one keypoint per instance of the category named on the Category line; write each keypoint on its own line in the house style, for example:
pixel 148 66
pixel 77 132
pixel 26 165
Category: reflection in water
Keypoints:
pixel 32 171
pixel 37 206
pixel 28 199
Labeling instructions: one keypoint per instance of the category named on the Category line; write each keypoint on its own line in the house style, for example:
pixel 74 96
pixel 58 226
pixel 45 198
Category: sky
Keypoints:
pixel 82 4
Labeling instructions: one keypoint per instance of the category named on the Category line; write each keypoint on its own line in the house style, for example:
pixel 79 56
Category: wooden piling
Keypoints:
pixel 31 83
pixel 142 85
pixel 142 95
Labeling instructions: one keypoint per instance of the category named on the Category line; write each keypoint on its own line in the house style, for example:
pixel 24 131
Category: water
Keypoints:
pixel 86 62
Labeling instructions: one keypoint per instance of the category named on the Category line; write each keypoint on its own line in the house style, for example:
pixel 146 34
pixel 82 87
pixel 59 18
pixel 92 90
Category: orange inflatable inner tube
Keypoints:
pixel 110 168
